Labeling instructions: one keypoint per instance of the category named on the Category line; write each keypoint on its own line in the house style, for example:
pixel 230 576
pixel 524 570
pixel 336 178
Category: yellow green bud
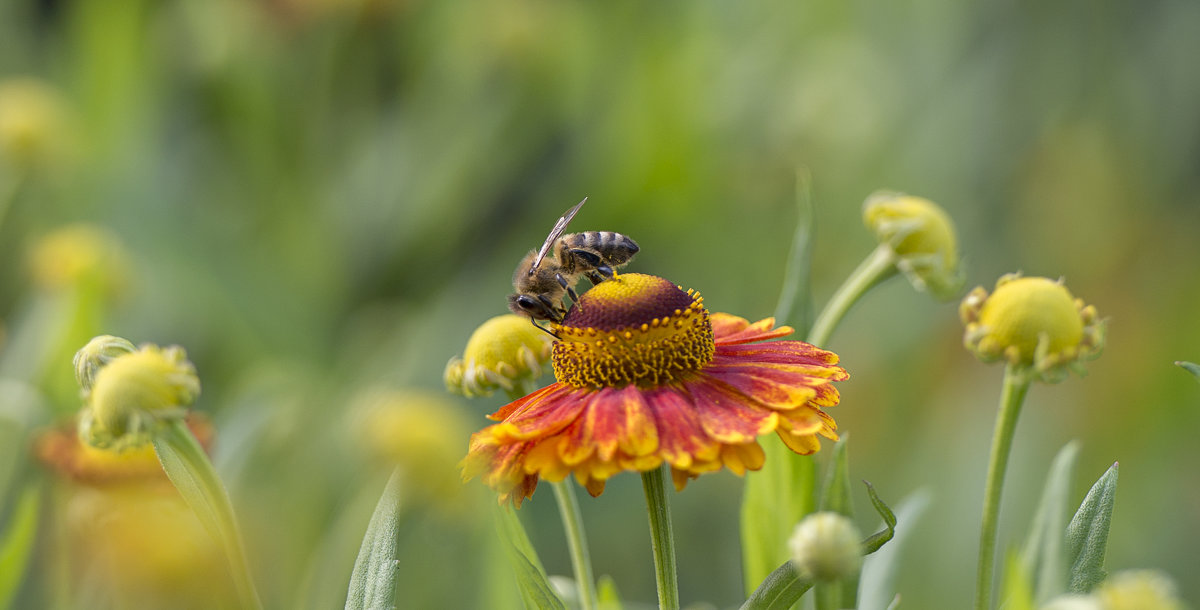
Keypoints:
pixel 922 237
pixel 1139 590
pixel 826 547
pixel 1073 602
pixel 419 431
pixel 502 353
pixel 80 255
pixel 32 123
pixel 1032 322
pixel 134 393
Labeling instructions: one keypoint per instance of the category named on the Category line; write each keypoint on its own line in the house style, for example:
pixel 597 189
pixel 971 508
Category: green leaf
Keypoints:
pixel 1043 559
pixel 835 495
pixel 1190 367
pixel 531 576
pixel 795 299
pixel 773 502
pixel 1087 535
pixel 877 582
pixel 878 539
pixel 373 582
pixel 1017 591
pixel 607 595
pixel 781 588
pixel 16 545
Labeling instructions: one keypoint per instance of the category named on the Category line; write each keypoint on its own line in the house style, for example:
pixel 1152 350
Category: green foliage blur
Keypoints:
pixel 318 198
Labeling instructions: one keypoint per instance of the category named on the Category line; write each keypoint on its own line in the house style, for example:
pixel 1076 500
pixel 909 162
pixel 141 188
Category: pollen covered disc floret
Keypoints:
pixel 635 329
pixel 647 376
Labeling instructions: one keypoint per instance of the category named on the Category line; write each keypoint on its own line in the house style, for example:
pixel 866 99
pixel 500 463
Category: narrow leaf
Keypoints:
pixel 1190 367
pixel 877 582
pixel 1087 535
pixel 16 544
pixel 531 576
pixel 795 299
pixel 779 590
pixel 878 539
pixel 373 582
pixel 608 596
pixel 1017 591
pixel 1043 559
pixel 835 495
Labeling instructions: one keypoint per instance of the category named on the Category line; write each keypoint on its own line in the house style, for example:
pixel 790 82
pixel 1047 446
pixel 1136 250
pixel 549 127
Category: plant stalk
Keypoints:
pixel 877 267
pixel 1012 396
pixel 581 562
pixel 661 538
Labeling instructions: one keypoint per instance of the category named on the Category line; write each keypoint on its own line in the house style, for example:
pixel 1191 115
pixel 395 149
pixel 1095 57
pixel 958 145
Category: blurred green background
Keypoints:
pixel 319 197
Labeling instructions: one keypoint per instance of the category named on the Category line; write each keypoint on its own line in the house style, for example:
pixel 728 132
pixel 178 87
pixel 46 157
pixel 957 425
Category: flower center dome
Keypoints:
pixel 632 329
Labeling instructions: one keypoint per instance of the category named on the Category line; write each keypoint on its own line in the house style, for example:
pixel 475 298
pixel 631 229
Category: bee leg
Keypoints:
pixel 543 329
pixel 562 281
pixel 594 278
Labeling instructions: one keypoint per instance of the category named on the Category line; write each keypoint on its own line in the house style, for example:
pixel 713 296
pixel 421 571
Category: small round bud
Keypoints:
pixel 136 392
pixel 921 235
pixel 1033 322
pixel 80 256
pixel 97 353
pixel 502 353
pixel 826 547
pixel 32 123
pixel 1139 590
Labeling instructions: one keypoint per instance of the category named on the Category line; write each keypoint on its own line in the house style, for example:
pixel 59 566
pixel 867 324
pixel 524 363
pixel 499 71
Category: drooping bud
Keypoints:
pixel 922 236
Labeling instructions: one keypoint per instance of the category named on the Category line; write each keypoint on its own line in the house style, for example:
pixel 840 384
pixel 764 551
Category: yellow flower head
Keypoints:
pixel 921 235
pixel 1032 322
pixel 80 256
pixel 826 547
pixel 417 430
pixel 503 353
pixel 32 123
pixel 134 393
pixel 64 452
pixel 1139 590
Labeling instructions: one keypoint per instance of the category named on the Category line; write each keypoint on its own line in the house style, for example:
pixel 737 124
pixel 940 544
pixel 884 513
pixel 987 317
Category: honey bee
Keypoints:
pixel 541 282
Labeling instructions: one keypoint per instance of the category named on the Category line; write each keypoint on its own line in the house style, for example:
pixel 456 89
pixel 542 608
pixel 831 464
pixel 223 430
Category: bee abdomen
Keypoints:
pixel 617 247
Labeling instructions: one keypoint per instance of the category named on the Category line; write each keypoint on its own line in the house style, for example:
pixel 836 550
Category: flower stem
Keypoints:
pixel 1012 396
pixel 189 469
pixel 568 507
pixel 877 267
pixel 661 539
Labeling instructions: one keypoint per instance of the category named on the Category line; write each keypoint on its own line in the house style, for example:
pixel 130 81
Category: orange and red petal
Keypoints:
pixel 792 353
pixel 730 330
pixel 682 439
pixel 775 388
pixel 728 416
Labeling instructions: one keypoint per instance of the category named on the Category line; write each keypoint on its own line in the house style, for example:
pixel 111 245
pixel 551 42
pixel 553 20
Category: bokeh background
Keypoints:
pixel 321 199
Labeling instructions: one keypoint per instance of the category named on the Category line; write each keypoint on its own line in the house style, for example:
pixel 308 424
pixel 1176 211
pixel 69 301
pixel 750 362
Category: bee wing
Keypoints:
pixel 555 233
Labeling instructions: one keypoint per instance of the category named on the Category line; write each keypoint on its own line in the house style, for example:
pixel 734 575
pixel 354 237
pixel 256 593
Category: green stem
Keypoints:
pixel 189 469
pixel 568 507
pixel 877 267
pixel 827 596
pixel 661 539
pixel 1012 396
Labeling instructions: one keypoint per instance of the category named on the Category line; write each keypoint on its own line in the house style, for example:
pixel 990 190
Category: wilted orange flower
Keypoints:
pixel 645 376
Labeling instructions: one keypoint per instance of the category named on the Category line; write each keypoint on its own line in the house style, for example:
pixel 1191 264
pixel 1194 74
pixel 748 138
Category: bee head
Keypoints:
pixel 535 307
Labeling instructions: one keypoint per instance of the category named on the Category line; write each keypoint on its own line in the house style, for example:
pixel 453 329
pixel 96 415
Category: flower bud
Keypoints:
pixel 1073 602
pixel 1032 322
pixel 136 392
pixel 1139 590
pixel 826 547
pixel 502 353
pixel 921 235
pixel 32 123
pixel 80 256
